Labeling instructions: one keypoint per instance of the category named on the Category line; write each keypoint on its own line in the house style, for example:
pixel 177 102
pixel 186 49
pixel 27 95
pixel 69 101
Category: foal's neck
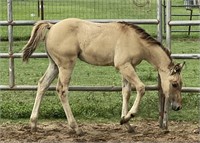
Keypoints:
pixel 158 58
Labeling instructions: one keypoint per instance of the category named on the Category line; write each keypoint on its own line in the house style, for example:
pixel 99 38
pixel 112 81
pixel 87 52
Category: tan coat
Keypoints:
pixel 117 44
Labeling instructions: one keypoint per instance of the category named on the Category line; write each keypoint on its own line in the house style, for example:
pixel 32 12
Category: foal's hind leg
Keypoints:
pixel 126 93
pixel 130 75
pixel 43 84
pixel 62 87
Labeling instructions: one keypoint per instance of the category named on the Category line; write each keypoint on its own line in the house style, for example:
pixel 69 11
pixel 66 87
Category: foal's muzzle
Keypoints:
pixel 176 107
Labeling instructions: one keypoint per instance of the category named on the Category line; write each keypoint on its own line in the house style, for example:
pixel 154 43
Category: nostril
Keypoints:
pixel 178 108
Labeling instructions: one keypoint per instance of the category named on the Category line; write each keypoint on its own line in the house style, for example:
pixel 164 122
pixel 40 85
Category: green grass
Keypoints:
pixel 91 106
pixel 99 106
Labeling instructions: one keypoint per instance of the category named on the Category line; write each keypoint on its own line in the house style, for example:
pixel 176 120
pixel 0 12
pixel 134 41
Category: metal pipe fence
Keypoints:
pixel 11 56
pixel 85 9
pixel 190 10
pixel 12 22
pixel 157 20
pixel 169 23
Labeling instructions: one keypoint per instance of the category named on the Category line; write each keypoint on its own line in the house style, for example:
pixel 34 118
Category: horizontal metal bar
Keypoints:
pixel 135 21
pixel 92 88
pixel 184 22
pixel 74 88
pixel 185 15
pixel 185 31
pixel 19 55
pixel 44 55
pixel 186 5
pixel 186 56
pixel 20 23
pixel 191 89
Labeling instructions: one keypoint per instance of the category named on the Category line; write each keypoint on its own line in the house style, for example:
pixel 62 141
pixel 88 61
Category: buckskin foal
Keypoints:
pixel 117 44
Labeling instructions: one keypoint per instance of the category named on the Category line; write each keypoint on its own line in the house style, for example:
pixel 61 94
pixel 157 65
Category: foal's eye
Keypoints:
pixel 175 85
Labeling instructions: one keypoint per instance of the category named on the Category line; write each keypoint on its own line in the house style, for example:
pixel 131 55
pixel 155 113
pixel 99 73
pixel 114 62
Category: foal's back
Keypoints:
pixel 95 43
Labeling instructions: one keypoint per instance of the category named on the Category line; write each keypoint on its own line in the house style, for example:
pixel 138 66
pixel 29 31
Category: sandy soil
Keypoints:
pixel 146 131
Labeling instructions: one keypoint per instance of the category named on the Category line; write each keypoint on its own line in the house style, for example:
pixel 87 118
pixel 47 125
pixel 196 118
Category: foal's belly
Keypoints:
pixel 98 58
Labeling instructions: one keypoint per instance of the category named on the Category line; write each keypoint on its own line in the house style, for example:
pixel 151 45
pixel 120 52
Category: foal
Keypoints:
pixel 117 44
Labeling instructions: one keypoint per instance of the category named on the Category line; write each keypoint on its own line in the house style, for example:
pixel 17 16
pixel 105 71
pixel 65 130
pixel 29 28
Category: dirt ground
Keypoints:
pixel 58 131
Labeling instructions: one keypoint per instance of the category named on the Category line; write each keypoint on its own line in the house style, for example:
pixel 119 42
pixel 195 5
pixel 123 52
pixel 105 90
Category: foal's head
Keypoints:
pixel 174 84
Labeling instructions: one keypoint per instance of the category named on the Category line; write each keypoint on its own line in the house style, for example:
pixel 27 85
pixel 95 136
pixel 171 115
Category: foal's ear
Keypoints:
pixel 177 68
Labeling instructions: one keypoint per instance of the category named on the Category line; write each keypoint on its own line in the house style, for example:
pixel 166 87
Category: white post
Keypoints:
pixel 10 39
pixel 168 27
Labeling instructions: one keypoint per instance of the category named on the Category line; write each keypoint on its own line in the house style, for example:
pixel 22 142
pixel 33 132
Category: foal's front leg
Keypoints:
pixel 130 75
pixel 165 116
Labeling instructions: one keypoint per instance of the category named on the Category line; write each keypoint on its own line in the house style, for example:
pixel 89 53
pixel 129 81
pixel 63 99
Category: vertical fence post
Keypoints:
pixel 168 27
pixel 159 18
pixel 38 8
pixel 10 39
pixel 42 9
pixel 159 38
pixel 164 14
pixel 189 28
pixel 168 44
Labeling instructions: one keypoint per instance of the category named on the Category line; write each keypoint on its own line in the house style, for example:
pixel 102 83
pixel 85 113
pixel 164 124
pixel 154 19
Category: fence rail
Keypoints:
pixel 184 23
pixel 93 88
pixel 44 55
pixel 135 21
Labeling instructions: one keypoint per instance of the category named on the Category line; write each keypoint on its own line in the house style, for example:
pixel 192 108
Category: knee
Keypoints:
pixel 58 89
pixel 42 86
pixel 141 89
pixel 126 90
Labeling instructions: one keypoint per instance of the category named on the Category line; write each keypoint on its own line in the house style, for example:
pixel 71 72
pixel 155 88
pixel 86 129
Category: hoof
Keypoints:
pixel 80 132
pixel 131 130
pixel 76 131
pixel 124 120
pixel 33 125
pixel 165 131
pixel 33 129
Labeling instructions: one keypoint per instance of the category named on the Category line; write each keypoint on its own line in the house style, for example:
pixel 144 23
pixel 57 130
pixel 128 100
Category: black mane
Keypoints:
pixel 146 36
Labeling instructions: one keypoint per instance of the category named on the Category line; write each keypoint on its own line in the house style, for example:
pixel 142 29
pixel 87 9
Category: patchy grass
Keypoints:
pixel 101 106
pixel 98 106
